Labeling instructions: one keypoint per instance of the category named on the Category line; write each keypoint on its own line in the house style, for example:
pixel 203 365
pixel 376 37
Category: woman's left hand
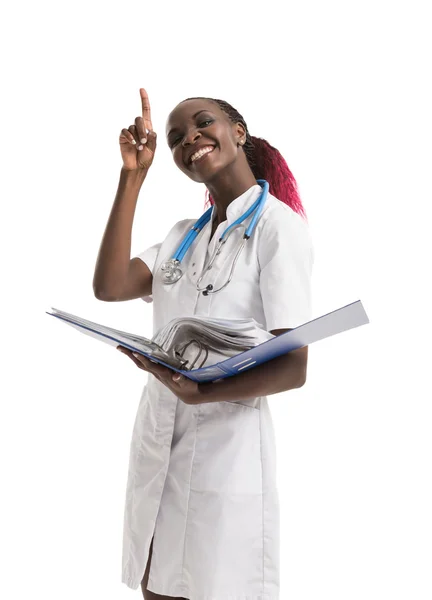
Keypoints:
pixel 184 388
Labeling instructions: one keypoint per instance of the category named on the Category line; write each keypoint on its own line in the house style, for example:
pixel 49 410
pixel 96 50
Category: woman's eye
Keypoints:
pixel 203 123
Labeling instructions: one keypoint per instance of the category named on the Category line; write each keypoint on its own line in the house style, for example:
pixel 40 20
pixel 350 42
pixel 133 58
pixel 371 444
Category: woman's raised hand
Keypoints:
pixel 136 153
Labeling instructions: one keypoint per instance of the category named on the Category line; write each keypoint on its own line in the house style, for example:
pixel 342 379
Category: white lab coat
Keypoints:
pixel 202 478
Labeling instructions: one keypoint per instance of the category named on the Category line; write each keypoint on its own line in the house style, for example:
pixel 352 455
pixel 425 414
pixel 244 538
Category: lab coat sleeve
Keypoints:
pixel 149 256
pixel 286 257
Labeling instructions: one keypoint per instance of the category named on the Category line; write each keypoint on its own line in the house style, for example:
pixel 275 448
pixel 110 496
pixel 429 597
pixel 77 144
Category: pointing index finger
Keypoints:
pixel 146 113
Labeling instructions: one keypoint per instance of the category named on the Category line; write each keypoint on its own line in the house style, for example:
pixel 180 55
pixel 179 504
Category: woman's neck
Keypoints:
pixel 228 188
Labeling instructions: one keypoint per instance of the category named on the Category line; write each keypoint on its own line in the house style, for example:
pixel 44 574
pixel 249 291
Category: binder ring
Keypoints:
pixel 202 348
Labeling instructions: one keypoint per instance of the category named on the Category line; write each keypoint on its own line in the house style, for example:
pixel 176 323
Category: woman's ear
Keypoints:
pixel 239 134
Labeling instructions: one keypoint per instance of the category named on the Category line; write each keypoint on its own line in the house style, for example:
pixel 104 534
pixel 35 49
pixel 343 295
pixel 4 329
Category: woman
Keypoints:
pixel 202 513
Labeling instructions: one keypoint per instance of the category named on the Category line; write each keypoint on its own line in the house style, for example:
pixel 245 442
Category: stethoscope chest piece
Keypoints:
pixel 171 271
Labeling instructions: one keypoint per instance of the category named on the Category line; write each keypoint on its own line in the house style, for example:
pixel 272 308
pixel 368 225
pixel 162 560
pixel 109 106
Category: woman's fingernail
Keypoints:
pixel 143 140
pixel 136 354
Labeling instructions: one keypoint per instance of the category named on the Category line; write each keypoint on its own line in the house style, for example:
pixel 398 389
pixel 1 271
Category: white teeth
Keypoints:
pixel 201 152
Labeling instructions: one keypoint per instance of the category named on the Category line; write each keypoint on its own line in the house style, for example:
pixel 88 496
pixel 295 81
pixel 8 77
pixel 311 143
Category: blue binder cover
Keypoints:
pixel 344 318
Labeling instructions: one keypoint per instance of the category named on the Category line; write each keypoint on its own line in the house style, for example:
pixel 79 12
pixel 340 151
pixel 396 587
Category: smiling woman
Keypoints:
pixel 263 160
pixel 202 511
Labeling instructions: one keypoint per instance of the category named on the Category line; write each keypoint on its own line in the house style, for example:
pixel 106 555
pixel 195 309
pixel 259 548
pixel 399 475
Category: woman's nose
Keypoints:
pixel 191 137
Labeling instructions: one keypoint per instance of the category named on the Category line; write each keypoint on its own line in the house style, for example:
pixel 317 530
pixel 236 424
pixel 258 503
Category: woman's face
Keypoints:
pixel 200 125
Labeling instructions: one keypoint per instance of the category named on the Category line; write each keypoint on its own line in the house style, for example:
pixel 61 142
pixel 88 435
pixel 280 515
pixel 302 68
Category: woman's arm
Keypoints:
pixel 113 273
pixel 280 374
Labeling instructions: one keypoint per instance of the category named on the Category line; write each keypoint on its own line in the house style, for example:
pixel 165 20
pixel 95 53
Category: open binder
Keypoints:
pixel 225 346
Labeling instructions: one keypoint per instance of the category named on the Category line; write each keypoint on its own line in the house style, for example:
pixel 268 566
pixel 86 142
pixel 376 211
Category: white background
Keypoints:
pixel 342 90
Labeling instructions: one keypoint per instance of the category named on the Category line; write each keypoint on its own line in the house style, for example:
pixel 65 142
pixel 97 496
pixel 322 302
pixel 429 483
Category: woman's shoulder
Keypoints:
pixel 278 215
pixel 281 228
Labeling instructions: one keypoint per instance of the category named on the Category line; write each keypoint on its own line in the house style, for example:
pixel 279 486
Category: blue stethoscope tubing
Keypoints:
pixel 257 207
pixel 204 219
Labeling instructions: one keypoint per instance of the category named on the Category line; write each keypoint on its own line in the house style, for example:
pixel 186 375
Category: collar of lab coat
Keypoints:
pixel 239 205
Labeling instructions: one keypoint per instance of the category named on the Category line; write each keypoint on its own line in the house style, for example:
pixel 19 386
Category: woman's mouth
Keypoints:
pixel 201 154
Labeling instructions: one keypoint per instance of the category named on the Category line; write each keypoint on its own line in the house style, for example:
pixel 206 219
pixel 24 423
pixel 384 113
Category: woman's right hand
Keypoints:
pixel 131 139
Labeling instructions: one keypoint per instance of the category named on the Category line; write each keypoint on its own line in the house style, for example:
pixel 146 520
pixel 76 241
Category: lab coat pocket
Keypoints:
pixel 252 403
pixel 227 449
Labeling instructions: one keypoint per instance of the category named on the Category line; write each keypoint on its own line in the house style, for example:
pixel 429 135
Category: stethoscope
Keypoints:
pixel 171 271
